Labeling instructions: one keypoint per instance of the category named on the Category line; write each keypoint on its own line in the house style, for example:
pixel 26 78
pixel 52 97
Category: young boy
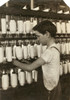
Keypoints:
pixel 49 60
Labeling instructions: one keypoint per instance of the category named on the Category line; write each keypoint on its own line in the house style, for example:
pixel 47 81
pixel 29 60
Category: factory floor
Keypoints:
pixel 30 92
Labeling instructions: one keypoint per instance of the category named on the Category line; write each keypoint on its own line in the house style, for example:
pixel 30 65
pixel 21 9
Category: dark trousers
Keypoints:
pixel 41 93
pixel 44 94
pixel 55 94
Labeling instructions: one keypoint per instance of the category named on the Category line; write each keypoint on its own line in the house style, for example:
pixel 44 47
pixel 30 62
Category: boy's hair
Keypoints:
pixel 44 26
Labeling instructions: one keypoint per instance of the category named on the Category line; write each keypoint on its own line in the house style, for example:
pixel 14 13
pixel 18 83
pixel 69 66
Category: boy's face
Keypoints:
pixel 41 38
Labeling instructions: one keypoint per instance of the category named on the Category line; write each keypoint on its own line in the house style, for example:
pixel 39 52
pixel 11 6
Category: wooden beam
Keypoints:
pixel 32 4
pixel 31 13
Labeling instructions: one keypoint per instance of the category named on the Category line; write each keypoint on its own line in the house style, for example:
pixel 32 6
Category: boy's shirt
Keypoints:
pixel 51 69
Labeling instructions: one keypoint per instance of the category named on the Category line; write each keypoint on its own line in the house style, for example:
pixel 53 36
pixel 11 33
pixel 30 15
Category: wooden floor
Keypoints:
pixel 29 92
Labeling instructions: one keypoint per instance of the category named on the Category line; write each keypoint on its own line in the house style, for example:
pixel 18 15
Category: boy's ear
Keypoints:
pixel 48 34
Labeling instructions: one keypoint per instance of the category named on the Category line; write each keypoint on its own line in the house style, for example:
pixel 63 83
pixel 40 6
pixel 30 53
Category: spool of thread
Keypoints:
pixel 34 22
pixel 36 76
pixel 32 51
pixel 62 48
pixel 24 27
pixel 29 77
pixel 1 54
pixel 35 49
pixel 65 69
pixel 20 26
pixel 12 26
pixel 3 25
pixel 5 81
pixel 31 26
pixel 9 54
pixel 28 48
pixel 68 27
pixel 66 48
pixel 19 52
pixel 39 50
pixel 58 27
pixel 28 26
pixel 25 52
pixel 69 47
pixel 68 65
pixel 19 70
pixel 11 71
pixel 61 70
pixel 33 74
pixel 63 27
pixel 13 77
pixel 21 78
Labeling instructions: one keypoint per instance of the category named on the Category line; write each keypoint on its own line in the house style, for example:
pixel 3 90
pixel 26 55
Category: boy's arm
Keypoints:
pixel 31 66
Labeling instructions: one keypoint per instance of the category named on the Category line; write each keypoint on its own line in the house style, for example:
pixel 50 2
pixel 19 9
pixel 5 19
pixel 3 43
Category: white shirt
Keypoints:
pixel 51 69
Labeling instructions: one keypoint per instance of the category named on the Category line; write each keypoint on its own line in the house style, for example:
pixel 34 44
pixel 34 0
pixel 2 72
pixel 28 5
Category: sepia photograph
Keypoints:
pixel 34 50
